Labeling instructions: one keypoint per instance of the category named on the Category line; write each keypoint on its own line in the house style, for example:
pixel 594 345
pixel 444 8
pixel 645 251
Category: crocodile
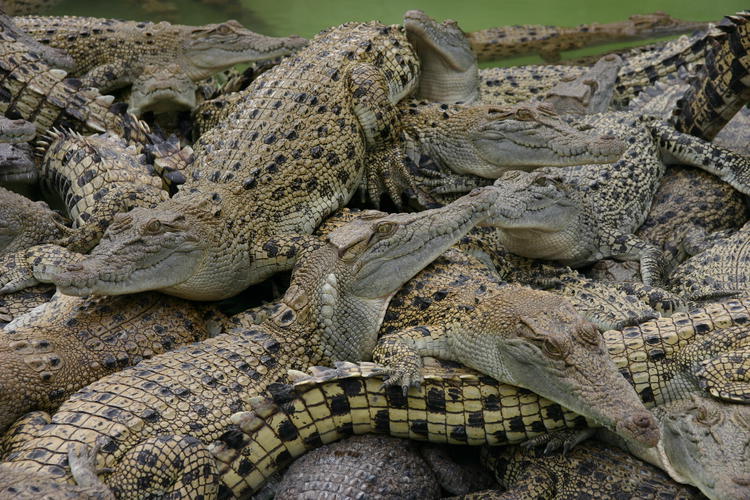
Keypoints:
pixel 457 307
pixel 25 223
pixel 361 467
pixel 18 171
pixel 720 270
pixel 703 441
pixel 56 349
pixel 548 41
pixel 724 87
pixel 111 54
pixel 16 304
pixel 162 88
pixel 640 70
pixel 56 58
pixel 332 309
pixel 488 140
pixel 591 470
pixel 687 201
pixel 45 96
pixel 94 178
pixel 601 206
pixel 251 199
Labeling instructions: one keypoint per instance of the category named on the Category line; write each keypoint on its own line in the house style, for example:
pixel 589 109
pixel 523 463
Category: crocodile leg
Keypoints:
pixel 631 247
pixel 176 466
pixel 373 106
pixel 690 150
pixel 32 266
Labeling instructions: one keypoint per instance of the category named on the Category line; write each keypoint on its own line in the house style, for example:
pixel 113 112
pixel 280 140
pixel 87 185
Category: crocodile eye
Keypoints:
pixel 589 333
pixel 524 114
pixel 706 417
pixel 223 29
pixel 541 181
pixel 552 349
pixel 153 226
pixel 385 228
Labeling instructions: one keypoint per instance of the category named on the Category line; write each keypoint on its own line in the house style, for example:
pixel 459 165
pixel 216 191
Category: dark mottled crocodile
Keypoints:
pixel 548 41
pixel 251 198
pixel 25 223
pixel 110 53
pixel 379 467
pixel 179 403
pixel 704 441
pixel 590 470
pixel 55 350
pixel 724 87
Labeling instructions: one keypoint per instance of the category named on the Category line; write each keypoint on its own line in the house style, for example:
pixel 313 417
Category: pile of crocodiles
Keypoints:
pixel 533 279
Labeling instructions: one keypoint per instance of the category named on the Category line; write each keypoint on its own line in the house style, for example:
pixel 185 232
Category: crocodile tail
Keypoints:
pixel 724 86
pixel 451 406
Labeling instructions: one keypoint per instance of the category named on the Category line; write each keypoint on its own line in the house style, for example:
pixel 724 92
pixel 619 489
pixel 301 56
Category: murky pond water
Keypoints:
pixel 307 17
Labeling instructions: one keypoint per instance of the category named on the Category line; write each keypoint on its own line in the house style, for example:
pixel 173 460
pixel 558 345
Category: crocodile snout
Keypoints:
pixel 642 427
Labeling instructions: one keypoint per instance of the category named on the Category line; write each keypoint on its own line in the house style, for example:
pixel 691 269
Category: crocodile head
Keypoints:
pixel 532 202
pixel 215 47
pixel 538 341
pixel 706 443
pixel 145 249
pixel 18 166
pixel 14 131
pixel 368 259
pixel 449 67
pixel 162 88
pixel 489 140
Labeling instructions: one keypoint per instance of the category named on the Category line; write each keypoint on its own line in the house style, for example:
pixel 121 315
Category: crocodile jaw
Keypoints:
pixel 96 277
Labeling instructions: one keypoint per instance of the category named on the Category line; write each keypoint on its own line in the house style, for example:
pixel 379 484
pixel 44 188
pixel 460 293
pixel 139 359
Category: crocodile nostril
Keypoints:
pixel 742 481
pixel 643 421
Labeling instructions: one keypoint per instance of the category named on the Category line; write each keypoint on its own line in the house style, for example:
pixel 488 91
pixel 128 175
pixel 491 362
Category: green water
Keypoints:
pixel 307 17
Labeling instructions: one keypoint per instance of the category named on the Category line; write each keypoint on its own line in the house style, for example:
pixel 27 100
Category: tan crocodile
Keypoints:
pixel 548 41
pixel 24 223
pixel 332 310
pixel 110 54
pixel 251 198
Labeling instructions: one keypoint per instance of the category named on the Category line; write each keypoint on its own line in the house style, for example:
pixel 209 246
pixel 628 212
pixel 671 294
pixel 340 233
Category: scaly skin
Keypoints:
pixel 591 469
pixel 55 350
pixel 25 223
pixel 110 54
pixel 95 178
pixel 15 131
pixel 54 57
pixel 16 304
pixel 251 199
pixel 720 270
pixel 457 309
pixel 332 310
pixel 43 95
pixel 488 140
pixel 460 407
pixel 689 202
pixel 714 99
pixel 605 204
pixel 548 41
pixel 640 70
pixel 360 467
